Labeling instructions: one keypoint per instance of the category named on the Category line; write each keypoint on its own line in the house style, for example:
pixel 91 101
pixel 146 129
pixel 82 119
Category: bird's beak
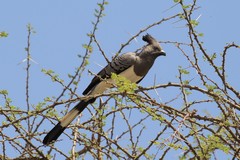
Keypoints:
pixel 162 53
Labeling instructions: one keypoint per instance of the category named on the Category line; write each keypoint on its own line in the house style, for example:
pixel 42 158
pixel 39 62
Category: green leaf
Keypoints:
pixel 200 34
pixel 3 34
pixel 183 71
pixel 4 92
pixel 213 56
pixel 181 16
pixel 186 6
pixel 186 82
pixel 87 47
pixel 40 105
pixel 187 92
pixel 75 83
pixel 210 87
pixel 123 84
pixel 47 99
pixel 194 23
pixel 174 146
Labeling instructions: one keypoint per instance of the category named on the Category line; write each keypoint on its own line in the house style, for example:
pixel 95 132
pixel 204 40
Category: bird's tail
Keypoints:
pixel 67 119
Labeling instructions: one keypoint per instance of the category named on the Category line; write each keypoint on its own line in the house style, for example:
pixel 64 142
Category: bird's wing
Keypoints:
pixel 118 65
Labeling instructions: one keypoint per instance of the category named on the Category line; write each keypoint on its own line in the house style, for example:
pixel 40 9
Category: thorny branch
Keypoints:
pixel 135 125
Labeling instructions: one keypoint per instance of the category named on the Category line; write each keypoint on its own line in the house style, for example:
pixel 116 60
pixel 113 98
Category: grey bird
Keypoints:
pixel 132 66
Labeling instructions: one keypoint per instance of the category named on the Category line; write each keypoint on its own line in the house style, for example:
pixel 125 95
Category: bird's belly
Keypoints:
pixel 130 75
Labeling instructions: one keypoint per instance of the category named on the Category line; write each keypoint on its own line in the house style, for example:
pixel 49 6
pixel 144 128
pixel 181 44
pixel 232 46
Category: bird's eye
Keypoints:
pixel 156 48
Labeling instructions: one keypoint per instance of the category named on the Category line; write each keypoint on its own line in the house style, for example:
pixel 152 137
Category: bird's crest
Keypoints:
pixel 149 39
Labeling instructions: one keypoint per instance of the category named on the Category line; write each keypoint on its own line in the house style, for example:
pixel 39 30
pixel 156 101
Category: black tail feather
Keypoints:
pixel 66 120
pixel 54 134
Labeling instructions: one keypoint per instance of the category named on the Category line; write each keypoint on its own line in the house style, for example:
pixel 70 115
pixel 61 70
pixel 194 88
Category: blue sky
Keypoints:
pixel 61 28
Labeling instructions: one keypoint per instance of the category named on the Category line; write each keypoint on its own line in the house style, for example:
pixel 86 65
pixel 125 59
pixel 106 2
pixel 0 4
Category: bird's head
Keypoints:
pixel 153 46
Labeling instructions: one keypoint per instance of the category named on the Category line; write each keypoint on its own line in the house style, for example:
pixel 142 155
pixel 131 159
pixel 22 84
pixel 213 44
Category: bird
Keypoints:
pixel 133 66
